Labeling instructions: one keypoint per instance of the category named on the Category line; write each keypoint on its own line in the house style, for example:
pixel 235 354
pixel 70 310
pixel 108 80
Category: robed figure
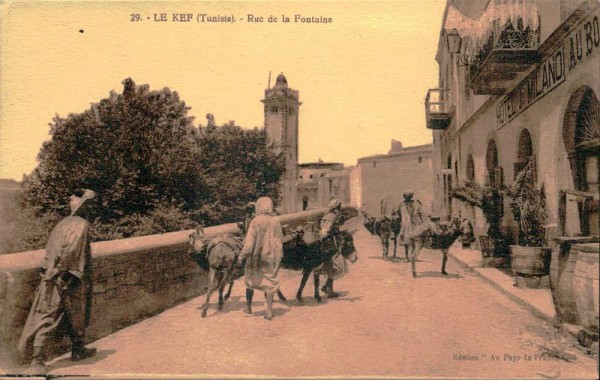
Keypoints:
pixel 263 251
pixel 411 215
pixel 62 301
pixel 335 266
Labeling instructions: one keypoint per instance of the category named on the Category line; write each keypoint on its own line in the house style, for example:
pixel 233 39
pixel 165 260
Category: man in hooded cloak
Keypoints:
pixel 263 251
pixel 62 301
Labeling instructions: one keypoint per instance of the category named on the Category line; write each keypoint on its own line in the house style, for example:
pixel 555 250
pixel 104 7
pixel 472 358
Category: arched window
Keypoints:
pixel 525 154
pixel 525 146
pixel 470 168
pixel 495 175
pixel 581 136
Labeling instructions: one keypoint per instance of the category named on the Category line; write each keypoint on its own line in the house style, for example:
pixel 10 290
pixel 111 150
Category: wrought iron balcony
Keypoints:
pixel 437 114
pixel 504 59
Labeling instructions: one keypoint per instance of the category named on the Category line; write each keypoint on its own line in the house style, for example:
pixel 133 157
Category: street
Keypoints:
pixel 385 324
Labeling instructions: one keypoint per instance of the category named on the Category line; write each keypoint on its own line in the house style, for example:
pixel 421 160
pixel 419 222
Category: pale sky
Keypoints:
pixel 362 79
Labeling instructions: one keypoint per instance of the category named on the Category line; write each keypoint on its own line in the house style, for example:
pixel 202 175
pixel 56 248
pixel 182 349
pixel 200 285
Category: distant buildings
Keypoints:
pixel 384 178
pixel 319 181
pixel 374 179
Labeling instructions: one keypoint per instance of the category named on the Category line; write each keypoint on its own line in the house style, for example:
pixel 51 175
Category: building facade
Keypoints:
pixel 281 107
pixel 319 181
pixel 384 178
pixel 519 82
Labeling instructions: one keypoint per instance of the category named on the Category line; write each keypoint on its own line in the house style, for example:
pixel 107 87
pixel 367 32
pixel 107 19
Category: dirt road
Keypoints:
pixel 385 324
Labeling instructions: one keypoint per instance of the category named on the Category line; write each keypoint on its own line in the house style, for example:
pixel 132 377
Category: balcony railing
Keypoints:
pixel 504 59
pixel 437 112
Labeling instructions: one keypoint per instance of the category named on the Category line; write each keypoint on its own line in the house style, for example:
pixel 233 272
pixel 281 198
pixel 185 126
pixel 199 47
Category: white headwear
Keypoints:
pixel 76 202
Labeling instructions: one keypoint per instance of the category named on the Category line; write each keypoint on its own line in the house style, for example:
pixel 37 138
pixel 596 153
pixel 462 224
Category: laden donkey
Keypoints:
pixel 219 257
pixel 386 228
pixel 442 235
pixel 305 251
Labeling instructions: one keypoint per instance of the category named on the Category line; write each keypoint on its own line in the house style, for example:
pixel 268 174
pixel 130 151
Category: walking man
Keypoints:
pixel 411 215
pixel 330 229
pixel 63 299
pixel 263 251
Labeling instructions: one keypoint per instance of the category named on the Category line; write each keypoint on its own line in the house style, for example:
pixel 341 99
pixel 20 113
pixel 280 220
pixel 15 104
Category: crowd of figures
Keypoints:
pixel 407 225
pixel 260 253
pixel 62 301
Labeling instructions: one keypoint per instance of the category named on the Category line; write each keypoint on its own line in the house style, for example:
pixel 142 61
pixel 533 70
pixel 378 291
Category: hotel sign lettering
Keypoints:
pixel 578 47
pixel 542 80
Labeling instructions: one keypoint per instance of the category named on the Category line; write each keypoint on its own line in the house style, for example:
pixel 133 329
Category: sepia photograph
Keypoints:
pixel 324 189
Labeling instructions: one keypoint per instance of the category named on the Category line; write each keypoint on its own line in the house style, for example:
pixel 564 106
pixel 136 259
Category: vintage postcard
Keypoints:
pixel 391 189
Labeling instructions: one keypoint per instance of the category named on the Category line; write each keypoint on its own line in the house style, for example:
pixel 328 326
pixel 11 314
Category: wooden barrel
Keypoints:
pixel 586 284
pixel 530 261
pixel 562 277
pixel 562 283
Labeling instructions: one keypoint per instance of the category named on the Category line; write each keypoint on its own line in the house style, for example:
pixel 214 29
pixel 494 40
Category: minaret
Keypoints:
pixel 281 126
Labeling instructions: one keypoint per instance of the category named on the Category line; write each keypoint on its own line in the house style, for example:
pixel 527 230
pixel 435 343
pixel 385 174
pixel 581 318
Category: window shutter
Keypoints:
pixel 498 175
pixel 533 167
pixel 519 166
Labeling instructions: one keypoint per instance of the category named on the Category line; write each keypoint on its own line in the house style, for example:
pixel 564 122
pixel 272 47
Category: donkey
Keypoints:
pixel 442 234
pixel 386 228
pixel 218 256
pixel 305 252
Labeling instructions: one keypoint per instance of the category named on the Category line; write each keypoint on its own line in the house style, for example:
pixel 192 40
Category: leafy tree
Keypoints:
pixel 152 169
pixel 135 150
pixel 238 167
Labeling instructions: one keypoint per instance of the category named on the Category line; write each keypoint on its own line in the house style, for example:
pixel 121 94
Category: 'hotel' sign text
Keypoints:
pixel 576 48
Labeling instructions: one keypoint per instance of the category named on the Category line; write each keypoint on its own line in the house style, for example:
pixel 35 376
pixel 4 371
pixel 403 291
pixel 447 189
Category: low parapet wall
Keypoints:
pixel 134 278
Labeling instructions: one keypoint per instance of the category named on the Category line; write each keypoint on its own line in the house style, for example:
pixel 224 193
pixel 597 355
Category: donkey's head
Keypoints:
pixel 198 244
pixel 347 248
pixel 369 223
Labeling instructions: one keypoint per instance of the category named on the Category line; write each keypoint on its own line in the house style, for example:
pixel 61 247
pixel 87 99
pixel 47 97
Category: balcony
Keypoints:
pixel 436 111
pixel 505 59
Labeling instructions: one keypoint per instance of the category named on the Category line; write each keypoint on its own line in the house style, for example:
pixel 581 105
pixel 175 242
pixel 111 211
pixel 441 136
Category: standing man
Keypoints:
pixel 411 215
pixel 63 299
pixel 263 251
pixel 330 228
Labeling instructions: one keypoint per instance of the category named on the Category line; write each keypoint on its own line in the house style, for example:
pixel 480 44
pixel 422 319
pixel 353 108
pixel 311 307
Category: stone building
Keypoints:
pixel 319 181
pixel 281 106
pixel 519 82
pixel 385 177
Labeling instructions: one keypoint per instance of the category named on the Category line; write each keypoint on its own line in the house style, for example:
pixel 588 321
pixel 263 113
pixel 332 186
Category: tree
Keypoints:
pixel 152 169
pixel 136 150
pixel 239 167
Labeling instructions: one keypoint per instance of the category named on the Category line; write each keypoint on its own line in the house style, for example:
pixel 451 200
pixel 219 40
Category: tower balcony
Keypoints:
pixel 437 112
pixel 505 59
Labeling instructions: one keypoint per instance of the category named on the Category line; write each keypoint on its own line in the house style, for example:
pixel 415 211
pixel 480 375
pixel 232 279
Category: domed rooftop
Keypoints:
pixel 281 82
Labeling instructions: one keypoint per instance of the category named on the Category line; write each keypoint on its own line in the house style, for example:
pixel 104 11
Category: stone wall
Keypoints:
pixel 133 279
pixel 387 177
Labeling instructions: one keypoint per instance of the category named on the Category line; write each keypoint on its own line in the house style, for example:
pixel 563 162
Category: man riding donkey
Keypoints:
pixel 334 267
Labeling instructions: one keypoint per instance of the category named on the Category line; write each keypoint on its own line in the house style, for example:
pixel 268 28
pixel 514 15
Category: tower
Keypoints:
pixel 281 107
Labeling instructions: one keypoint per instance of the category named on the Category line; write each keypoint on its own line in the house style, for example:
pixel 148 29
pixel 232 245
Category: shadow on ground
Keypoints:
pixel 453 276
pixel 66 361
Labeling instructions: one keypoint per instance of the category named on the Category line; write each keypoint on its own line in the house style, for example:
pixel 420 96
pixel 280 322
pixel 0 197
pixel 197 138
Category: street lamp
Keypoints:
pixel 452 41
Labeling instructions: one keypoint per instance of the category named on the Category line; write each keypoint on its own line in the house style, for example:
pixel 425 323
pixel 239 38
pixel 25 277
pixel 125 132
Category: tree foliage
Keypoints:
pixel 152 169
pixel 488 198
pixel 238 167
pixel 528 206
